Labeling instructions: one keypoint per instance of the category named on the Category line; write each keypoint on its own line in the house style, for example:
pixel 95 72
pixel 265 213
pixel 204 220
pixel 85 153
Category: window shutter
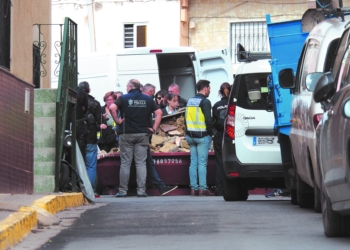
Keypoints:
pixel 128 36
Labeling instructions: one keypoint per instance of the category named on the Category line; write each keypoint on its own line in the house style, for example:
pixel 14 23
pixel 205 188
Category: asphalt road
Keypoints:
pixel 184 222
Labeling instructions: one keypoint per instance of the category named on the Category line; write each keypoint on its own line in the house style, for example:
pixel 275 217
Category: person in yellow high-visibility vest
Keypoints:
pixel 198 135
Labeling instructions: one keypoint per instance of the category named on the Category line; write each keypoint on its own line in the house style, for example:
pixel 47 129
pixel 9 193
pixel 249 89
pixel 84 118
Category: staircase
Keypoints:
pixel 44 139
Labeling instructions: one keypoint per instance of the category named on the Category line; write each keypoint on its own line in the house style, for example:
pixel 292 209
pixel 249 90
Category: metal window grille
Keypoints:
pixel 5 27
pixel 128 36
pixel 252 35
pixel 328 3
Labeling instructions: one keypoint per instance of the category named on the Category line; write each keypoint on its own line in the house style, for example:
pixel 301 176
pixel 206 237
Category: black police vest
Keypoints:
pixel 136 110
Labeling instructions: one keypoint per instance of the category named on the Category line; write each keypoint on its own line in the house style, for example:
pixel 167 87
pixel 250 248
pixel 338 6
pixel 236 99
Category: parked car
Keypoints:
pixel 317 56
pixel 251 152
pixel 332 90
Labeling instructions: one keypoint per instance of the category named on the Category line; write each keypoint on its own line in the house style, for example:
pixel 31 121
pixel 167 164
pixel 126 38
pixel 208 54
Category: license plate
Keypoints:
pixel 265 141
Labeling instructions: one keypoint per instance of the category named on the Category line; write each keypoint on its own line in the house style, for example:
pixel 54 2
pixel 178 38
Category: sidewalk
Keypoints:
pixel 20 213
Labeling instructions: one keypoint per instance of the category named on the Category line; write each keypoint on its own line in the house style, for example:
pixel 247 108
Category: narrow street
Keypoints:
pixel 184 222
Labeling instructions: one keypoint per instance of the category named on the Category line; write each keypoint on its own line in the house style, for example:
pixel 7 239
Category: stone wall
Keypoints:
pixel 209 20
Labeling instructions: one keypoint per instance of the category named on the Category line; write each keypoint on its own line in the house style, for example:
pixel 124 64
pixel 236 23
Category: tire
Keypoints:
pixel 317 199
pixel 305 198
pixel 332 221
pixel 231 191
pixel 243 194
pixel 293 197
pixel 64 177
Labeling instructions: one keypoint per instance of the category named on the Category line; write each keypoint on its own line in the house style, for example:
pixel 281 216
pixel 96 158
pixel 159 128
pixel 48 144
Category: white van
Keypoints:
pixel 251 151
pixel 158 66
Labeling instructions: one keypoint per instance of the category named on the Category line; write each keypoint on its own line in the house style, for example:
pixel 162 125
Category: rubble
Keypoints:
pixel 169 147
pixel 170 136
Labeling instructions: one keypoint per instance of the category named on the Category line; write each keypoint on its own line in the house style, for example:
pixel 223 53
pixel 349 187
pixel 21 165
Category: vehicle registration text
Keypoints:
pixel 265 141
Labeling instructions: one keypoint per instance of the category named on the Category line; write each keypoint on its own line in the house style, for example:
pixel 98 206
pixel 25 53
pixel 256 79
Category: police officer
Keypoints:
pixel 134 130
pixel 219 112
pixel 81 110
pixel 91 150
pixel 149 90
pixel 198 135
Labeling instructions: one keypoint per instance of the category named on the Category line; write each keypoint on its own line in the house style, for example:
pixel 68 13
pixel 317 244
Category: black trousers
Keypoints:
pixel 219 166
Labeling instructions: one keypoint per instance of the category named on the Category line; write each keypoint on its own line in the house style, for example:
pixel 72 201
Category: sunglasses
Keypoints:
pixel 159 97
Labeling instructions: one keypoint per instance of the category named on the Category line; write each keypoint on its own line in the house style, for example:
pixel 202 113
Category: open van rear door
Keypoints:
pixel 216 67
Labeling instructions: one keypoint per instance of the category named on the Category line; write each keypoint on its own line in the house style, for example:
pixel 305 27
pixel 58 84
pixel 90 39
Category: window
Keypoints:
pixel 309 64
pixel 340 52
pixel 135 35
pixel 252 35
pixel 5 27
pixel 240 92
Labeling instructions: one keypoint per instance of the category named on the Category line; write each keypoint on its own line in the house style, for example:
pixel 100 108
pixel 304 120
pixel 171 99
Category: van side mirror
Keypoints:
pixel 286 78
pixel 253 88
pixel 241 53
pixel 311 80
pixel 324 88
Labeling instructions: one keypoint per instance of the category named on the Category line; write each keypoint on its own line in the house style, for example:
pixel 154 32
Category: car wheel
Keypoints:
pixel 293 197
pixel 231 190
pixel 332 221
pixel 243 194
pixel 305 198
pixel 317 198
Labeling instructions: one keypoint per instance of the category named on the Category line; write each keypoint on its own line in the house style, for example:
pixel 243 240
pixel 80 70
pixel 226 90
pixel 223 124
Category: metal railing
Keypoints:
pixel 66 96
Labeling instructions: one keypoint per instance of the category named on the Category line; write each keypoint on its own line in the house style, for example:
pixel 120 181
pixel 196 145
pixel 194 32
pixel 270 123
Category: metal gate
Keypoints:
pixel 67 84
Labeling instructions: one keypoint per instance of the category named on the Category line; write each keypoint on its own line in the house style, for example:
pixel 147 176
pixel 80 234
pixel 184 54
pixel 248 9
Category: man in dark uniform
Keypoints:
pixel 134 130
pixel 91 150
pixel 81 110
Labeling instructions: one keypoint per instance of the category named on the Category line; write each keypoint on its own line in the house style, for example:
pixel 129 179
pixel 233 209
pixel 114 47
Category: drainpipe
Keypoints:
pixel 91 24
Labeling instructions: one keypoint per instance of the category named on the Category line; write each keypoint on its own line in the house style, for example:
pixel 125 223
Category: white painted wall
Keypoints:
pixel 161 16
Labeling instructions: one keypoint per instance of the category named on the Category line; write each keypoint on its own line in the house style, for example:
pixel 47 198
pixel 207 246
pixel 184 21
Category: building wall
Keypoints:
pixel 24 14
pixel 209 20
pixel 16 125
pixel 162 18
pixel 16 135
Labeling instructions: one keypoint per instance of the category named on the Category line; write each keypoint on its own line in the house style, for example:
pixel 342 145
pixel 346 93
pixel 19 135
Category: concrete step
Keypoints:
pixel 44 183
pixel 42 109
pixel 44 139
pixel 45 95
pixel 44 124
pixel 44 154
pixel 44 168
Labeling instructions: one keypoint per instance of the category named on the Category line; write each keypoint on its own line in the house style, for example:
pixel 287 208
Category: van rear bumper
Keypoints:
pixel 231 164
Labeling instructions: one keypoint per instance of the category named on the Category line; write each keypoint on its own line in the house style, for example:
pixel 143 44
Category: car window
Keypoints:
pixel 298 74
pixel 330 56
pixel 309 64
pixel 340 53
pixel 344 75
pixel 240 92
